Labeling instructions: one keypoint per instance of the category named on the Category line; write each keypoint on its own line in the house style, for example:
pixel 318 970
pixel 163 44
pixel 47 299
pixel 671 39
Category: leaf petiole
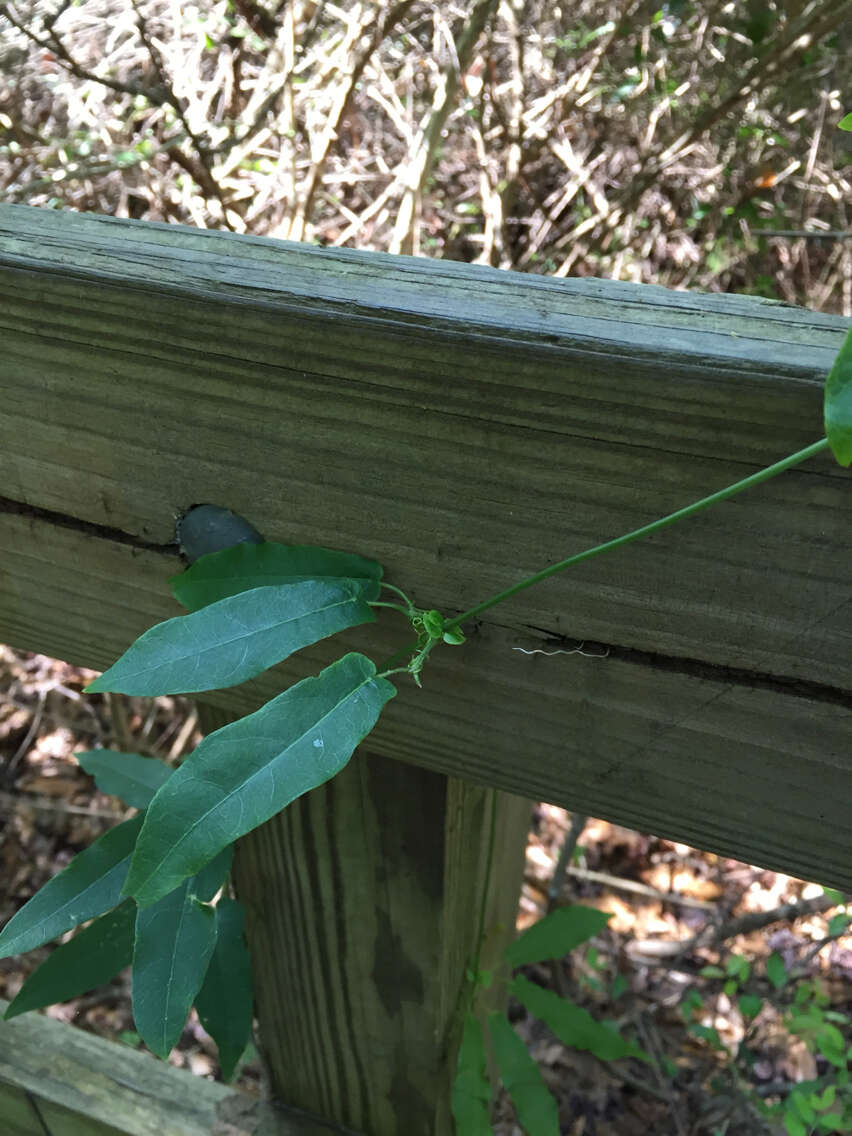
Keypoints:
pixel 400 592
pixel 392 606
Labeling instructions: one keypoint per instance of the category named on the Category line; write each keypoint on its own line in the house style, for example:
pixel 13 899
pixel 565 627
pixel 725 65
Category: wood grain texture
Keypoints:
pixel 61 1081
pixel 57 1080
pixel 463 426
pixel 724 762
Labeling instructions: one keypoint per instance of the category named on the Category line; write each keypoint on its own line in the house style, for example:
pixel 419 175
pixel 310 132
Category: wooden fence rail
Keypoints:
pixel 465 427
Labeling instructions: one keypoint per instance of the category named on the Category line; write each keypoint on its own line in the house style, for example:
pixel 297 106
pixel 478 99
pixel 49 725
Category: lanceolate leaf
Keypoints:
pixel 130 776
pixel 243 774
pixel 174 941
pixel 572 1024
pixel 838 403
pixel 247 566
pixel 556 935
pixel 89 886
pixel 471 1097
pixel 93 957
pixel 236 638
pixel 536 1108
pixel 224 1002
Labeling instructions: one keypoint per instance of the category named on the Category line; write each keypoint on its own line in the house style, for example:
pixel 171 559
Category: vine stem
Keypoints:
pixel 393 606
pixel 645 530
pixel 399 592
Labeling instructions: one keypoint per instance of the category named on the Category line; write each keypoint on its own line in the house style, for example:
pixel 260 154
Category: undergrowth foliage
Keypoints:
pixel 684 143
pixel 154 891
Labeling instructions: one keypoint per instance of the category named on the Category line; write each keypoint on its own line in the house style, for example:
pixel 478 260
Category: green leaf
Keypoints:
pixel 130 776
pixel 224 1002
pixel 471 1099
pixel 838 403
pixel 690 1002
pixel 828 1124
pixel 709 1034
pixel 846 122
pixel 750 1005
pixel 536 1108
pixel 799 1100
pixel 712 972
pixel 738 967
pixel 572 1024
pixel 235 639
pixel 174 941
pixel 793 1123
pixel 837 924
pixel 556 935
pixel 213 875
pixel 830 1043
pixel 89 886
pixel 247 566
pixel 92 958
pixel 826 1099
pixel 243 774
pixel 776 971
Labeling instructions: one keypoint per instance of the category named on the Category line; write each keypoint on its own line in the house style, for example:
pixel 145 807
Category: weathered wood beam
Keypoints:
pixel 56 1080
pixel 742 768
pixel 463 426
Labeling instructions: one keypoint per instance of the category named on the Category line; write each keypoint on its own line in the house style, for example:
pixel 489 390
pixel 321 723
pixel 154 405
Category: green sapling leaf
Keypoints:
pixel 838 403
pixel 235 639
pixel 776 971
pixel 174 941
pixel 224 1002
pixel 536 1108
pixel 471 1097
pixel 455 637
pixel 247 566
pixel 243 774
pixel 749 1005
pixel 556 934
pixel 573 1025
pixel 130 776
pixel 846 122
pixel 93 957
pixel 89 886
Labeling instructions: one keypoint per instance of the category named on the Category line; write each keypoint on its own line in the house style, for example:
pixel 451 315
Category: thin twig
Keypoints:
pixel 340 106
pixel 199 170
pixel 55 45
pixel 422 158
pixel 639 889
pixel 14 802
pixel 566 853
pixel 809 234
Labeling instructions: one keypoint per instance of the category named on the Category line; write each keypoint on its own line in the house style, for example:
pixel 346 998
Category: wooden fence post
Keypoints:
pixel 364 900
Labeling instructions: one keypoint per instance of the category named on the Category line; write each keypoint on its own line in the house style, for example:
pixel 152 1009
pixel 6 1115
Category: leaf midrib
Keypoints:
pixel 181 840
pixel 178 659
